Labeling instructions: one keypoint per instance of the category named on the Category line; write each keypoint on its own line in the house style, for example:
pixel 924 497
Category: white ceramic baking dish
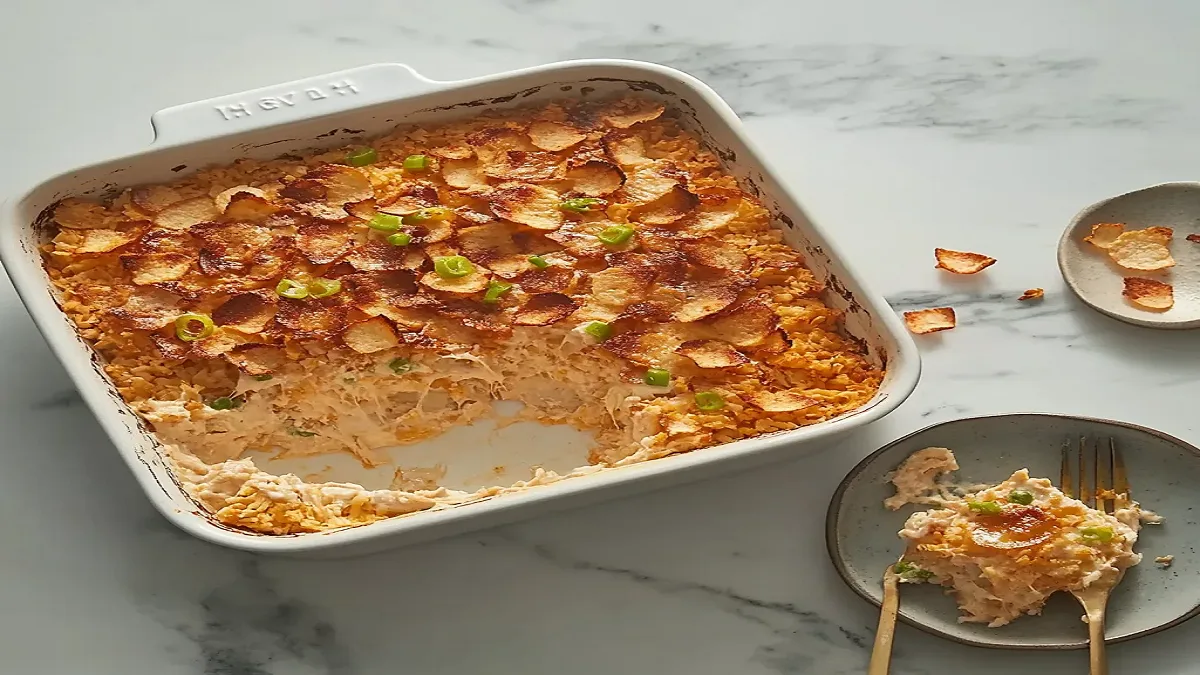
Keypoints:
pixel 335 109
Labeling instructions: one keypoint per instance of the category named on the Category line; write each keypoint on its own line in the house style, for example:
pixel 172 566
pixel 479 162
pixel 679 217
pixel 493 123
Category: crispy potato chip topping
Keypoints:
pixel 544 309
pixel 962 262
pixel 1146 250
pixel 184 214
pixel 249 312
pixel 925 321
pixel 1149 293
pixel 1104 234
pixel 780 401
pixel 104 241
pixel 531 205
pixel 712 354
pixel 372 335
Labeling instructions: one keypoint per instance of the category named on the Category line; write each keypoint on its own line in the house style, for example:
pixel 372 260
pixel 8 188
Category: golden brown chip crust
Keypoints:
pixel 370 336
pixel 105 241
pixel 554 136
pixel 779 401
pixel 154 198
pixel 156 268
pixel 376 255
pixel 595 178
pixel 544 309
pixel 149 308
pixel 532 205
pixel 184 214
pixel 712 353
pixel 324 242
pixel 256 359
pixel 311 319
pixel 249 312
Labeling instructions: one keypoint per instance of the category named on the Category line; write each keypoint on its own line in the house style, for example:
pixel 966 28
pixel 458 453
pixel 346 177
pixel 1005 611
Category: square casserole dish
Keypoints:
pixel 334 110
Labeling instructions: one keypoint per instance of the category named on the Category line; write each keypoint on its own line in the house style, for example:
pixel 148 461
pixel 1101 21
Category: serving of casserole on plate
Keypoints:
pixel 585 257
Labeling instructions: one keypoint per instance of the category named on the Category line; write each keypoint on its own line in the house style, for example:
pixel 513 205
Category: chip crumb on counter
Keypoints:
pixel 961 262
pixel 1164 561
pixel 1032 294
pixel 923 321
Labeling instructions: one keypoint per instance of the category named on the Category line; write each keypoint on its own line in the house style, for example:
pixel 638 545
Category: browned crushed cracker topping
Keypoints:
pixel 704 287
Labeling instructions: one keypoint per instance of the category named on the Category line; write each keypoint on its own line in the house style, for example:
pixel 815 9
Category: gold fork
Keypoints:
pixel 1107 492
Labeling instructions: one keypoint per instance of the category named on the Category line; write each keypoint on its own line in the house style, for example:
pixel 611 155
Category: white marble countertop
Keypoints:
pixel 903 126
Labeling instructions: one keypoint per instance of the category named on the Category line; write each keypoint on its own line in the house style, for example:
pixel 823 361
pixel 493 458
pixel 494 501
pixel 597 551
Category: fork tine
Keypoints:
pixel 1104 472
pixel 1120 478
pixel 1064 477
pixel 1085 490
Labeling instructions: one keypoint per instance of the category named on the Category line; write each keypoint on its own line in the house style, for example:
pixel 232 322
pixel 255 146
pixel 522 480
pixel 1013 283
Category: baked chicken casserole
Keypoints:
pixel 1003 550
pixel 587 259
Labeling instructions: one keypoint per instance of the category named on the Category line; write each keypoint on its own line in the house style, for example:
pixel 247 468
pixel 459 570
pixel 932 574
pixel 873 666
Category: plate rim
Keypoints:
pixel 833 548
pixel 1067 239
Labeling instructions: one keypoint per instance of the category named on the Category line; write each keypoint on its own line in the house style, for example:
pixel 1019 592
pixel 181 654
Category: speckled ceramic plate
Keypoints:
pixel 1098 281
pixel 1163 473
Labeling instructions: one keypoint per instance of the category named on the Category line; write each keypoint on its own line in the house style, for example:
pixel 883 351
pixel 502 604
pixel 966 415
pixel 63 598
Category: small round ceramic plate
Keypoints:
pixel 1098 281
pixel 1163 475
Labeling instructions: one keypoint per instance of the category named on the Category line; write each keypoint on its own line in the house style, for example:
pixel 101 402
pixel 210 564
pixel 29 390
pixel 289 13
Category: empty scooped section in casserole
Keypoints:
pixel 587 261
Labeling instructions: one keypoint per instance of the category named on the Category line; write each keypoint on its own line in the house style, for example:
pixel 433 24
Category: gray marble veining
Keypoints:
pixel 880 86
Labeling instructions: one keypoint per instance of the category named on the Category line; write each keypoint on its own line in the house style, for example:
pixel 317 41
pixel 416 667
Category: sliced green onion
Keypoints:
pixel 599 330
pixel 289 288
pixel 262 378
pixel 323 288
pixel 300 432
pixel 615 234
pixel 400 365
pixel 709 400
pixel 989 508
pixel 909 571
pixel 1096 533
pixel 192 327
pixel 579 204
pixel 362 157
pixel 428 214
pixel 416 162
pixel 384 222
pixel 538 262
pixel 223 403
pixel 1023 497
pixel 657 377
pixel 453 267
pixel 399 239
pixel 496 289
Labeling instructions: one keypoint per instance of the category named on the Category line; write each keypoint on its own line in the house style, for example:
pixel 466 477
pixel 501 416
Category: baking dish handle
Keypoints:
pixel 282 103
